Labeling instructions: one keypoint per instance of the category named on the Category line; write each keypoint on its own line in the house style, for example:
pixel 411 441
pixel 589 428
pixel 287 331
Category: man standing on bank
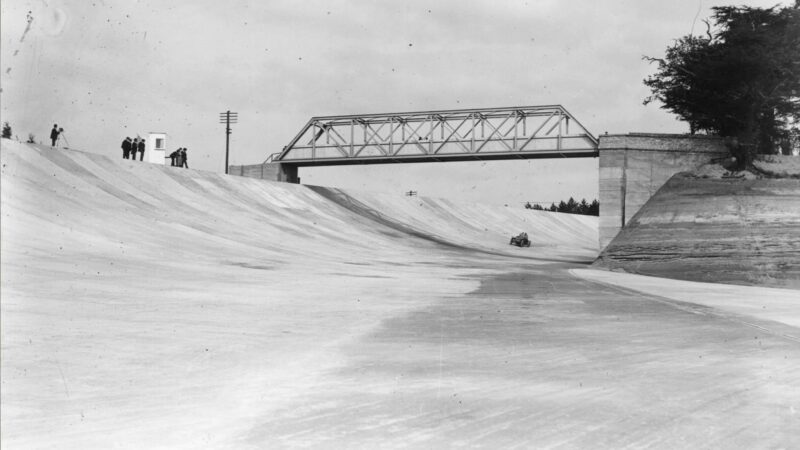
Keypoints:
pixel 173 156
pixel 179 155
pixel 54 135
pixel 126 148
pixel 140 147
pixel 185 163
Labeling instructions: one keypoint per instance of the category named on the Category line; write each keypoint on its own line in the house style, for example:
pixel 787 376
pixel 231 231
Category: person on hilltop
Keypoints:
pixel 179 161
pixel 140 147
pixel 54 135
pixel 173 157
pixel 126 148
pixel 184 160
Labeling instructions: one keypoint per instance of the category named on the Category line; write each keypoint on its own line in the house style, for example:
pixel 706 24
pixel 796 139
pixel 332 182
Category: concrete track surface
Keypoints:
pixel 152 307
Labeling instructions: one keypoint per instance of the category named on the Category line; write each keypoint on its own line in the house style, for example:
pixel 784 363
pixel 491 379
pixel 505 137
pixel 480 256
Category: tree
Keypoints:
pixel 6 131
pixel 594 208
pixel 740 81
pixel 572 206
pixel 583 207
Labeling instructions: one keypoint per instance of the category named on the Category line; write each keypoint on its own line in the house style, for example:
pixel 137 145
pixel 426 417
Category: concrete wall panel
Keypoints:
pixel 273 172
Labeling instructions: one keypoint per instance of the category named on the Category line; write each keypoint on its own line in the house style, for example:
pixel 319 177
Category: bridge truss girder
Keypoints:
pixel 449 135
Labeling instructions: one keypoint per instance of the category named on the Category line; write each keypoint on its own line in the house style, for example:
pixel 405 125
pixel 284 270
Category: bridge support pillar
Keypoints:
pixel 281 172
pixel 286 173
pixel 634 166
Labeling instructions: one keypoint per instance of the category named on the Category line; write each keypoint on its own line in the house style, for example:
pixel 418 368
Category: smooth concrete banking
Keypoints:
pixel 157 307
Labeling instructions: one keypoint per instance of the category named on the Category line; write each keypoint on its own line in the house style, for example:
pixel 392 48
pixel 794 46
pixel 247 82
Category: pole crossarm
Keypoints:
pixel 458 135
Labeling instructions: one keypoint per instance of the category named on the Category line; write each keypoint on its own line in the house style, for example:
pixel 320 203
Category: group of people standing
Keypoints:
pixel 178 158
pixel 130 147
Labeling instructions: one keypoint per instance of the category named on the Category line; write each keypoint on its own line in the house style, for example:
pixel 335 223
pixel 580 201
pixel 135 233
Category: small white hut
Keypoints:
pixel 156 148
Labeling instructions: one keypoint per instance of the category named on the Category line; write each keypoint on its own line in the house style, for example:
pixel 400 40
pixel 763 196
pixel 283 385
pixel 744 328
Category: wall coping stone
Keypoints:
pixel 683 143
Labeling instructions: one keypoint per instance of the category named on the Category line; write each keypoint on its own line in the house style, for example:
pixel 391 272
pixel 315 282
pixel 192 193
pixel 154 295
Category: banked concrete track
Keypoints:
pixel 151 307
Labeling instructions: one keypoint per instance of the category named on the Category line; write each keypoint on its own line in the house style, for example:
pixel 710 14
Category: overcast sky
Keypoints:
pixel 107 69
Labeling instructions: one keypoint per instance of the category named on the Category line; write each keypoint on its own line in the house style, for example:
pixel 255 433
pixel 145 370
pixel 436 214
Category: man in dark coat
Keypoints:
pixel 184 161
pixel 173 156
pixel 140 147
pixel 54 135
pixel 126 148
pixel 179 158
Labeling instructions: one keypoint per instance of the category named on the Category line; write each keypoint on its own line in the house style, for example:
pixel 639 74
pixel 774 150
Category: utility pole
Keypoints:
pixel 228 118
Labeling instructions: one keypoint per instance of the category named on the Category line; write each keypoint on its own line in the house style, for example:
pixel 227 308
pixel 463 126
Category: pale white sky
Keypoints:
pixel 107 69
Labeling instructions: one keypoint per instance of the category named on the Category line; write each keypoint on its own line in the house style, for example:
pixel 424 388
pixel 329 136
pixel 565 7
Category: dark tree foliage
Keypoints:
pixel 570 206
pixel 583 206
pixel 536 206
pixel 6 131
pixel 741 80
pixel 594 208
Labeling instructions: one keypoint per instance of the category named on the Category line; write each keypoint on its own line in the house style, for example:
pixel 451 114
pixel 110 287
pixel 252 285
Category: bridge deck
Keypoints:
pixel 579 153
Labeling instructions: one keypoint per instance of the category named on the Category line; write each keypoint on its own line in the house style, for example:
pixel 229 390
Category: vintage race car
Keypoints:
pixel 520 240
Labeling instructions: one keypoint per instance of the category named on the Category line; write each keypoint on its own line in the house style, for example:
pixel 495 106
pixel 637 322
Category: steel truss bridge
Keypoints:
pixel 448 135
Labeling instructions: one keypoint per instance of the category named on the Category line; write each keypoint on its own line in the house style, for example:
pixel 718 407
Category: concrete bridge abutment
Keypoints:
pixel 286 173
pixel 634 166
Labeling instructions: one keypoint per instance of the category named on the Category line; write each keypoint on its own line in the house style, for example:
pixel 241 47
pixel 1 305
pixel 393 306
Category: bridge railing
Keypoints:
pixel 272 158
